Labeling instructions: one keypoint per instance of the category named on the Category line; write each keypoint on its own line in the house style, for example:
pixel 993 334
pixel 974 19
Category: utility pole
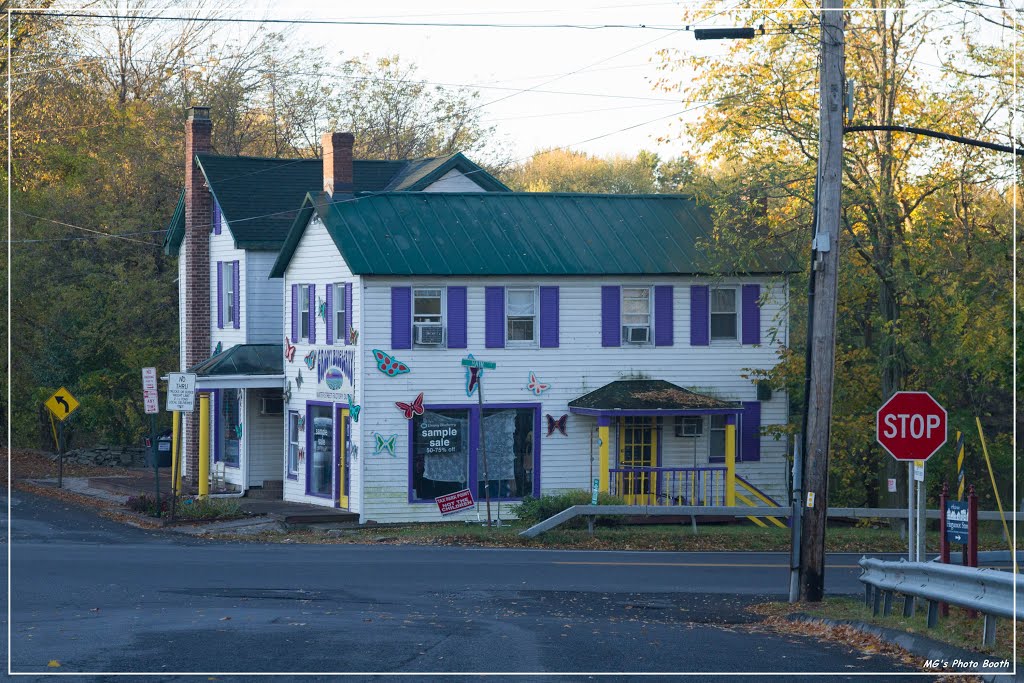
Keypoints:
pixel 826 282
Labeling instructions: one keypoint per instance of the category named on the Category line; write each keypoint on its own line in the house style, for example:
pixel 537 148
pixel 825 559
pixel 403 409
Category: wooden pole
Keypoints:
pixel 943 542
pixel 826 275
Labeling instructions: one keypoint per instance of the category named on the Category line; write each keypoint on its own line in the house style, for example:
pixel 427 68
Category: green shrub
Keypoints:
pixel 532 510
pixel 147 505
pixel 190 507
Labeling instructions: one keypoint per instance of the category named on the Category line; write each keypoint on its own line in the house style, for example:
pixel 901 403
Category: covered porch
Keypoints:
pixel 661 444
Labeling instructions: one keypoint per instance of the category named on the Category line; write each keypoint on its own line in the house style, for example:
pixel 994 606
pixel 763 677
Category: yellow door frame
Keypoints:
pixel 341 415
pixel 633 498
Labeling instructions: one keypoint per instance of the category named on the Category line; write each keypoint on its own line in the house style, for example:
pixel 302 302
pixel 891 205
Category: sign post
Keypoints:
pixel 181 397
pixel 911 426
pixel 474 363
pixel 151 403
pixel 61 404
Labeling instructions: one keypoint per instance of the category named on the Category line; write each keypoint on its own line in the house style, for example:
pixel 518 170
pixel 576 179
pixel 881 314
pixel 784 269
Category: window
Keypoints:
pixel 508 440
pixel 320 454
pixel 293 443
pixel 723 314
pixel 440 453
pixel 636 315
pixel 717 452
pixel 428 316
pixel 521 316
pixel 340 331
pixel 230 426
pixel 228 293
pixel 304 312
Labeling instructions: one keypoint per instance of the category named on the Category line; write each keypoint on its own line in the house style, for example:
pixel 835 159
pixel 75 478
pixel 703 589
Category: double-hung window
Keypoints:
pixel 521 316
pixel 228 293
pixel 724 324
pixel 293 443
pixel 340 331
pixel 304 311
pixel 428 316
pixel 636 315
pixel 717 440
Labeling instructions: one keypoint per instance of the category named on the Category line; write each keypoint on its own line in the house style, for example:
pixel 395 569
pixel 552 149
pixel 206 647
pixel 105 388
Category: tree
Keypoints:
pixel 560 170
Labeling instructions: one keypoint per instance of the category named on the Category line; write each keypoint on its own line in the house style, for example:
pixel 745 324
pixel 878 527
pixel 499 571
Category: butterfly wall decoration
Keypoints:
pixel 238 431
pixel 310 359
pixel 298 379
pixel 321 308
pixel 218 348
pixel 289 350
pixel 410 409
pixel 302 453
pixel 353 336
pixel 302 422
pixel 388 365
pixel 353 409
pixel 473 375
pixel 287 393
pixel 385 443
pixel 536 386
pixel 558 424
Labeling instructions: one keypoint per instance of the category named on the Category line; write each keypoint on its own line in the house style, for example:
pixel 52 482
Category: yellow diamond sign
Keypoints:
pixel 62 403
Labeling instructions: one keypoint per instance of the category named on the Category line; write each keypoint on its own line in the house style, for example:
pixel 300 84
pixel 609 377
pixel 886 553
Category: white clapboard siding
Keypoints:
pixel 222 248
pixel 263 439
pixel 264 298
pixel 453 181
pixel 316 261
pixel 579 365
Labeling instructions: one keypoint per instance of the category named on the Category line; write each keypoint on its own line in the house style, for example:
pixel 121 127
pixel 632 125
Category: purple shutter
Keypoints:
pixel 750 432
pixel 700 320
pixel 611 328
pixel 312 314
pixel 238 297
pixel 663 315
pixel 329 303
pixel 216 218
pixel 401 318
pixel 494 325
pixel 348 313
pixel 456 317
pixel 295 314
pixel 220 295
pixel 751 314
pixel 549 317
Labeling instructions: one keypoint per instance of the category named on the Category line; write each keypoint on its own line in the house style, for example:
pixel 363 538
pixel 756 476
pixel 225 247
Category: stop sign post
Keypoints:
pixel 911 426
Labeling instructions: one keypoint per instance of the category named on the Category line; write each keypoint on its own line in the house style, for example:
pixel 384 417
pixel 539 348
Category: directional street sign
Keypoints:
pixel 473 363
pixel 62 403
pixel 957 521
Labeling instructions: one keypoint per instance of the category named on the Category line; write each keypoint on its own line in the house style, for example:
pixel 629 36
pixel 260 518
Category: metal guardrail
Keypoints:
pixel 988 591
pixel 723 511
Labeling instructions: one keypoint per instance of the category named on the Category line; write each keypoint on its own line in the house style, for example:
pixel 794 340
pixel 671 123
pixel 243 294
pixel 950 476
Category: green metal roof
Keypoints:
pixel 259 197
pixel 513 233
pixel 648 394
pixel 243 359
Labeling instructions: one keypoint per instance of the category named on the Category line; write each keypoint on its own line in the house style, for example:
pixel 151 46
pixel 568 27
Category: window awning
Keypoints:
pixel 654 397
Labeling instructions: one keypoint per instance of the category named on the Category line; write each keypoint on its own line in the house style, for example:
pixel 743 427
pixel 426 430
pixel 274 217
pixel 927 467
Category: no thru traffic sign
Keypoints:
pixel 181 391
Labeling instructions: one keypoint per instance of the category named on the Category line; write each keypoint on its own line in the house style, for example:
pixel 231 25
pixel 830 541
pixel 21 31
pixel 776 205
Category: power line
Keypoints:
pixel 79 227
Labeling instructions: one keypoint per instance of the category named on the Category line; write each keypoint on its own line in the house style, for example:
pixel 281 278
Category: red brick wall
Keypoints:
pixel 337 150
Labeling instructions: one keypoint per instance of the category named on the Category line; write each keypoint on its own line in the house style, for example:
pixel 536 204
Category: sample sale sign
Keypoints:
pixel 453 502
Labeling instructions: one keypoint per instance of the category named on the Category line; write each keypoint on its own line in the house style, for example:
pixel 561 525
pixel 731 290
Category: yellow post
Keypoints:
pixel 730 460
pixel 602 466
pixel 995 489
pixel 175 438
pixel 204 444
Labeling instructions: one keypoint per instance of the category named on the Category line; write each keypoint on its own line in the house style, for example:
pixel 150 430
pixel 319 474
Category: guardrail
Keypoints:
pixel 988 591
pixel 722 511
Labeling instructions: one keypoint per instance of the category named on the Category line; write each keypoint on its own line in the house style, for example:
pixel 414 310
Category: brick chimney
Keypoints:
pixel 338 162
pixel 196 252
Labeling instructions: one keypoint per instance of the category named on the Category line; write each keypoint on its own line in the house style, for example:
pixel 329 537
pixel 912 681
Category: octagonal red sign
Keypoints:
pixel 911 425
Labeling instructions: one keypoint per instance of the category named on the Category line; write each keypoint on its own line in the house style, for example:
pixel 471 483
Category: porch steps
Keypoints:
pixel 272 489
pixel 743 484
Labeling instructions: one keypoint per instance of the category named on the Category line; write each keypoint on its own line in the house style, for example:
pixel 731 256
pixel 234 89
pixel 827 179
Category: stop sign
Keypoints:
pixel 911 425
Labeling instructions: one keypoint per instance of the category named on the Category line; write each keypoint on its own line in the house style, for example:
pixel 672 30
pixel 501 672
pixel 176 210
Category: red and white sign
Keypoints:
pixel 453 502
pixel 911 425
pixel 150 399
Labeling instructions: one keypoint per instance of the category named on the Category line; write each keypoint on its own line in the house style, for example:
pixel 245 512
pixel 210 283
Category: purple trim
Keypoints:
pixel 309 446
pixel 658 432
pixel 750 432
pixel 442 406
pixel 288 425
pixel 611 329
pixel 348 313
pixel 751 314
pixel 216 218
pixel 494 314
pixel 663 315
pixel 217 440
pixel 401 318
pixel 329 323
pixel 549 317
pixel 295 314
pixel 312 314
pixel 220 295
pixel 607 414
pixel 602 420
pixel 700 316
pixel 456 317
pixel 237 296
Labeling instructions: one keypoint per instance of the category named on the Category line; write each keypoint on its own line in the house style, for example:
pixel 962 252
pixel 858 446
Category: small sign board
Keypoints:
pixel 919 470
pixel 892 486
pixel 810 499
pixel 150 399
pixel 596 488
pixel 473 363
pixel 62 404
pixel 957 521
pixel 453 502
pixel 181 391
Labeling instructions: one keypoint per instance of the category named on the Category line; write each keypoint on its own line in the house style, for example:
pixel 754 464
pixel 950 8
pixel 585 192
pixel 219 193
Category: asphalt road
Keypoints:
pixel 96 596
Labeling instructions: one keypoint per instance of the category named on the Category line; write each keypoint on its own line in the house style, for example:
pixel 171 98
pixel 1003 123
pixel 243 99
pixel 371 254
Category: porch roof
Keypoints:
pixel 243 360
pixel 649 397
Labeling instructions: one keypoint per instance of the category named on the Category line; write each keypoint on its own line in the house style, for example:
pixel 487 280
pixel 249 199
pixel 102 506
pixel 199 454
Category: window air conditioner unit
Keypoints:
pixel 689 426
pixel 429 335
pixel 638 334
pixel 271 406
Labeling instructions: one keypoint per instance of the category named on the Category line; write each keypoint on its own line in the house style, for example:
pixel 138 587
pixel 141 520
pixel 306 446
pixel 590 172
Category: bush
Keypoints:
pixel 533 510
pixel 190 507
pixel 147 505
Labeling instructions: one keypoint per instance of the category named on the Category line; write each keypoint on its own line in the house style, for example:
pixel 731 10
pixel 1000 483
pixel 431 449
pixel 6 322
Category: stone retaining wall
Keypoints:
pixel 107 456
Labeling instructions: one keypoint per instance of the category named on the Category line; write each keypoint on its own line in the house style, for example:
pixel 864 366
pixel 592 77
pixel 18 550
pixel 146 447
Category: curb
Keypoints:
pixel 918 645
